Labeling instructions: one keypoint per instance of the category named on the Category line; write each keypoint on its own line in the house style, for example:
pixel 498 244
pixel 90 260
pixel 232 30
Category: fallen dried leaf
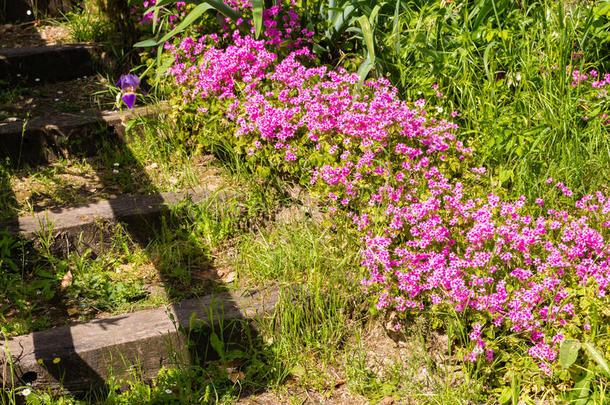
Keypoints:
pixel 236 376
pixel 67 280
pixel 387 401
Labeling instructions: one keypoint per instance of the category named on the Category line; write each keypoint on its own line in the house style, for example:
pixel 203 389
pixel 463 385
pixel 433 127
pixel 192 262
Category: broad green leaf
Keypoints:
pixel 257 12
pixel 581 389
pixel 568 353
pixel 341 17
pixel 367 34
pixel 599 359
pixel 505 396
pixel 218 346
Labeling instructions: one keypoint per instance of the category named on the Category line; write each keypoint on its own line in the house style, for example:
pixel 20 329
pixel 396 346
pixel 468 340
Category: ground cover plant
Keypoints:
pixel 528 285
pixel 428 122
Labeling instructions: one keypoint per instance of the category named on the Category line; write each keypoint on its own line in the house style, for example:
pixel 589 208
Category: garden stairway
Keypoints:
pixel 78 357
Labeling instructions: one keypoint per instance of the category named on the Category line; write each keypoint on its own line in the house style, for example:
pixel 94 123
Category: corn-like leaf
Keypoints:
pixel 188 20
pixel 367 34
pixel 147 43
pixel 599 359
pixel 257 12
pixel 365 68
pixel 342 17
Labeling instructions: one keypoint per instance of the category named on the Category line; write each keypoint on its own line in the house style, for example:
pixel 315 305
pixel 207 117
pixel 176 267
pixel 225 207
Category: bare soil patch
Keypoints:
pixel 32 34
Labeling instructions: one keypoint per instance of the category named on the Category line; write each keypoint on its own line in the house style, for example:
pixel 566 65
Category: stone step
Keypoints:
pixel 52 63
pixel 46 139
pixel 82 356
pixel 90 226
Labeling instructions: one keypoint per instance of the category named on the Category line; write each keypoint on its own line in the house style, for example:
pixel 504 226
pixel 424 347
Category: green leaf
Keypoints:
pixel 146 43
pixel 298 371
pixel 603 8
pixel 257 12
pixel 486 59
pixel 505 396
pixel 568 353
pixel 364 69
pixel 218 346
pixel 188 20
pixel 599 359
pixel 367 33
pixel 581 388
pixel 225 10
pixel 341 18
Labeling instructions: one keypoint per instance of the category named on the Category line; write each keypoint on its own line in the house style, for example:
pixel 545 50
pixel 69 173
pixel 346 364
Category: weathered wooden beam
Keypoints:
pixel 45 140
pixel 91 352
pixel 50 63
pixel 90 226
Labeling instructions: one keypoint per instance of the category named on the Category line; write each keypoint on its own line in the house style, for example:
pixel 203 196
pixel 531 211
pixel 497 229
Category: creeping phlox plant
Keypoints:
pixel 396 175
pixel 594 99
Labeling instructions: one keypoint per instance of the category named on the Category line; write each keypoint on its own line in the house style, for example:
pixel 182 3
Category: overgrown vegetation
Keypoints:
pixel 502 297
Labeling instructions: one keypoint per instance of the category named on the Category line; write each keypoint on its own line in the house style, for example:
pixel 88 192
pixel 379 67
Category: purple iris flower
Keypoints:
pixel 128 85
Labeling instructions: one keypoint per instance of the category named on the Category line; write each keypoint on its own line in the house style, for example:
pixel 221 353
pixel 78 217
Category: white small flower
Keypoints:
pixel 116 164
pixel 85 76
pixel 26 392
pixel 168 391
pixel 37 79
pixel 60 92
pixel 83 306
pixel 18 74
pixel 115 171
pixel 56 99
pixel 439 109
pixel 29 12
pixel 419 93
pixel 154 165
pixel 117 270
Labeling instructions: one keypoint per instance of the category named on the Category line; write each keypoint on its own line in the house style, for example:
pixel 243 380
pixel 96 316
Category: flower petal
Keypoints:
pixel 128 81
pixel 129 99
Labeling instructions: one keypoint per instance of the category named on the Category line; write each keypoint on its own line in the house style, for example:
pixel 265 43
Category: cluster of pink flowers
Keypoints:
pixel 146 17
pixel 594 97
pixel 382 165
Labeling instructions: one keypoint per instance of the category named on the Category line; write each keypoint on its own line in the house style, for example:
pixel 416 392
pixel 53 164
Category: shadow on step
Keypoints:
pixel 78 374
